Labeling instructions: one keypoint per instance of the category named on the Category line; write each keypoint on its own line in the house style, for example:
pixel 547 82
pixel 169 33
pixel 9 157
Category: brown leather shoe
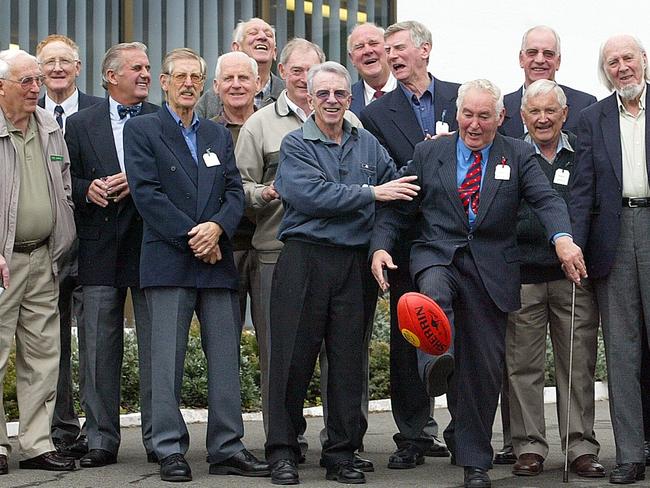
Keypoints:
pixel 528 464
pixel 4 465
pixel 588 466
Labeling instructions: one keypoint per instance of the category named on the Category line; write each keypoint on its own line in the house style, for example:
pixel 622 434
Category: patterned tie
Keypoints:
pixel 378 94
pixel 124 110
pixel 469 188
pixel 58 115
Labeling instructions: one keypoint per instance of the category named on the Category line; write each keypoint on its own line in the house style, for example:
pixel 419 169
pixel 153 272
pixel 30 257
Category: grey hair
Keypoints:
pixel 418 32
pixel 483 85
pixel 543 87
pixel 300 42
pixel 113 58
pixel 235 55
pixel 372 24
pixel 542 27
pixel 240 31
pixel 603 76
pixel 328 67
pixel 167 66
pixel 7 57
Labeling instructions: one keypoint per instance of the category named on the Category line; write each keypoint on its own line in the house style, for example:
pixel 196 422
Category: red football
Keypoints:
pixel 423 323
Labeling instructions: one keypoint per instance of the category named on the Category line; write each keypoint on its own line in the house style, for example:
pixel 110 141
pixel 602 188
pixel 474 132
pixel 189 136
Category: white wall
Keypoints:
pixel 481 39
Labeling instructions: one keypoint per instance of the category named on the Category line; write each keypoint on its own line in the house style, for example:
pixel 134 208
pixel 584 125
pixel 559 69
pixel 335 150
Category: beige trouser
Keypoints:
pixel 542 304
pixel 28 311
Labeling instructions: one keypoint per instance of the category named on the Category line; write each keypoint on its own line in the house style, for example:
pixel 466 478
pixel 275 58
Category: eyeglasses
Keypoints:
pixel 340 95
pixel 27 82
pixel 64 63
pixel 179 78
pixel 547 53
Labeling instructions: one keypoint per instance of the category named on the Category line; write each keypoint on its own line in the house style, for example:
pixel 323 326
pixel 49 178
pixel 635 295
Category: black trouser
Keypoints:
pixel 319 293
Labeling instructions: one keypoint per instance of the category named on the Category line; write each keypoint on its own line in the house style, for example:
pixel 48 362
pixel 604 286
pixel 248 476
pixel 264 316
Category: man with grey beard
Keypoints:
pixel 610 210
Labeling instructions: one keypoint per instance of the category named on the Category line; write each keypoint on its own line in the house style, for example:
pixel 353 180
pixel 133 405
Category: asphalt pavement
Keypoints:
pixel 132 469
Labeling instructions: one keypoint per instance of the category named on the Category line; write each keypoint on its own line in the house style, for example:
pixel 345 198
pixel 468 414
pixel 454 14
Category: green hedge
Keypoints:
pixel 195 388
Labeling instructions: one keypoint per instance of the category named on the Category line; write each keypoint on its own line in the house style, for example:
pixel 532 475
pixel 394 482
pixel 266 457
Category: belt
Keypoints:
pixel 28 247
pixel 636 202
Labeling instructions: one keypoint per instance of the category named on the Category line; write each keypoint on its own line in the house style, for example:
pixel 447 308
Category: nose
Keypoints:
pixel 539 57
pixel 235 81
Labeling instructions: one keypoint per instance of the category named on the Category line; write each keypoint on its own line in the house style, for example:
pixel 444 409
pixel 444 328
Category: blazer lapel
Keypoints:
pixel 102 140
pixel 490 185
pixel 207 174
pixel 404 118
pixel 611 128
pixel 172 138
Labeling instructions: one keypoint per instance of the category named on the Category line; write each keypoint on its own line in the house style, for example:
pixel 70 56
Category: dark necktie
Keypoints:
pixel 469 188
pixel 58 115
pixel 124 110
pixel 378 94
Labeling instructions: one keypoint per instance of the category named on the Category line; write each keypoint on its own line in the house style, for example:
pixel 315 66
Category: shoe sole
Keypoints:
pixel 369 469
pixel 285 482
pixel 335 477
pixel 505 461
pixel 177 478
pixel 418 462
pixel 225 470
pixel 43 468
pixel 438 376
pixel 526 473
pixel 96 465
pixel 639 477
pixel 437 454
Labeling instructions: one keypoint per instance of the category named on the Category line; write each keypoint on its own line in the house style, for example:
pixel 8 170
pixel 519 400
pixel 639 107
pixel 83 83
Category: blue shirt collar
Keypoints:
pixel 466 152
pixel 410 94
pixel 195 119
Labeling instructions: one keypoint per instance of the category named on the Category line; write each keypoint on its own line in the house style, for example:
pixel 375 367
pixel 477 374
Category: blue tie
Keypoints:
pixel 58 115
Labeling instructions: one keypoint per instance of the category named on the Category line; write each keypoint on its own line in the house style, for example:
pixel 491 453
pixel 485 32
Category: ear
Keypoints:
pixel 281 70
pixel 164 82
pixel 215 86
pixel 110 77
pixel 310 100
pixel 501 116
pixel 235 46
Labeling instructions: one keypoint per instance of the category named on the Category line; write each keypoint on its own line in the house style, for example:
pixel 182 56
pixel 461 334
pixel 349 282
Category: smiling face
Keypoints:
pixel 182 91
pixel 14 99
pixel 367 52
pixel 237 84
pixel 477 119
pixel 625 66
pixel 130 84
pixel 329 100
pixel 60 67
pixel 294 73
pixel 540 57
pixel 544 117
pixel 258 42
pixel 407 61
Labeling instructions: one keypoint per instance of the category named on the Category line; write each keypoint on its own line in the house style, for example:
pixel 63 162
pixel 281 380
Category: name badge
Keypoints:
pixel 211 159
pixel 442 127
pixel 502 172
pixel 561 177
pixel 56 157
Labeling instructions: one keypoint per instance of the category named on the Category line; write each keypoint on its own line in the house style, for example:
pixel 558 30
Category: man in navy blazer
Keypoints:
pixel 540 58
pixel 187 188
pixel 110 233
pixel 610 211
pixel 465 257
pixel 367 54
pixel 392 120
pixel 58 56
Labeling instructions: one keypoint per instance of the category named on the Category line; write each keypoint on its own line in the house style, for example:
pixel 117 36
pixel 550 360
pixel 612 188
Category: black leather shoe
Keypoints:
pixel 406 458
pixel 97 458
pixel 49 461
pixel 646 451
pixel 505 456
pixel 175 468
pixel 437 375
pixel 476 478
pixel 438 449
pixel 75 449
pixel 345 472
pixel 4 465
pixel 284 472
pixel 152 458
pixel 243 464
pixel 624 474
pixel 359 463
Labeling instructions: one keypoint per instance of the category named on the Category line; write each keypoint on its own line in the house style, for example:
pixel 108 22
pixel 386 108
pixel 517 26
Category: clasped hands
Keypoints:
pixel 204 242
pixel 114 187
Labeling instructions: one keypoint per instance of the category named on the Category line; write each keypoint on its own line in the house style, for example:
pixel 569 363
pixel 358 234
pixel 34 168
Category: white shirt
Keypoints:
pixel 118 127
pixel 369 92
pixel 635 174
pixel 296 109
pixel 70 106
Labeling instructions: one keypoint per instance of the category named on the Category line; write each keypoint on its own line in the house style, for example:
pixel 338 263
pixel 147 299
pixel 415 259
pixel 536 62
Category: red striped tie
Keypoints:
pixel 469 188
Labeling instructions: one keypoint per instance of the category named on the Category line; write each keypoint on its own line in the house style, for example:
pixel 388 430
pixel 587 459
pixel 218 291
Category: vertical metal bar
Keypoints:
pixel 62 17
pixel 155 45
pixel 23 25
pixel 281 34
pixel 138 21
pixel 317 22
pixel 78 33
pixel 299 26
pixel 42 20
pixel 175 17
pixel 210 36
pixel 246 9
pixel 353 9
pixel 114 27
pixel 5 24
pixel 98 37
pixel 370 12
pixel 334 50
pixel 192 25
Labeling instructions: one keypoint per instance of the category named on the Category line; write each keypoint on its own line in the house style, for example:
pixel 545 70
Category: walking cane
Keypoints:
pixel 565 478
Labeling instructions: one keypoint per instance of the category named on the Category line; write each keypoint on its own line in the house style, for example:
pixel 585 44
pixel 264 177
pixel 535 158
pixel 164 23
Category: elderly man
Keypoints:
pixel 610 211
pixel 110 235
pixel 368 56
pixel 465 258
pixel 59 59
pixel 546 299
pixel 540 58
pixel 400 120
pixel 188 190
pixel 255 38
pixel 322 288
pixel 36 228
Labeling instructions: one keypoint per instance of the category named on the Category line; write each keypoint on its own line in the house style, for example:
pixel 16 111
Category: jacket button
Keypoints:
pixel 470 237
pixel 106 219
pixel 187 195
pixel 173 168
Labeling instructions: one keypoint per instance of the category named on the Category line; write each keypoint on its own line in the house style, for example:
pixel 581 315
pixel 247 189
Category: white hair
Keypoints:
pixel 543 87
pixel 7 58
pixel 542 27
pixel 604 76
pixel 328 67
pixel 483 85
pixel 235 55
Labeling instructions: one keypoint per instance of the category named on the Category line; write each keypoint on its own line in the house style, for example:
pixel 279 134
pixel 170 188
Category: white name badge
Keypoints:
pixel 561 177
pixel 211 159
pixel 442 127
pixel 502 172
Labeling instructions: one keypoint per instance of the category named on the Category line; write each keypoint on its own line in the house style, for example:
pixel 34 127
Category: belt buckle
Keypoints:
pixel 631 204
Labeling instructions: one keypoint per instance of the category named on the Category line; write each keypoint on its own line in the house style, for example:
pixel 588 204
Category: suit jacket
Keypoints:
pixel 444 228
pixel 392 121
pixel 358 98
pixel 109 238
pixel 596 187
pixel 85 101
pixel 173 193
pixel 514 127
